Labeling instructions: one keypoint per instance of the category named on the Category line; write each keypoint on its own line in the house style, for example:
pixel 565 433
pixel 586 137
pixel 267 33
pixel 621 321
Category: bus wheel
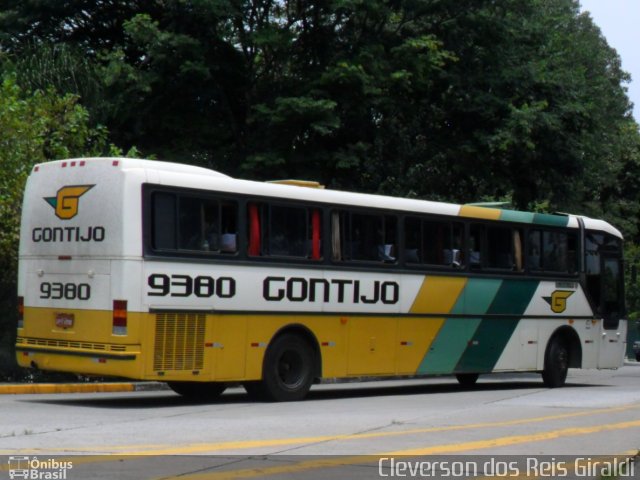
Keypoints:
pixel 287 371
pixel 556 364
pixel 198 390
pixel 467 380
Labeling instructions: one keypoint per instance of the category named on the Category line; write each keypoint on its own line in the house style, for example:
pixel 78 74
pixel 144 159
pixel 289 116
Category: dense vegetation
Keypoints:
pixel 458 100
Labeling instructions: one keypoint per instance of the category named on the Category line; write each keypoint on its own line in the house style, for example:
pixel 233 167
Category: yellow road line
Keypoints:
pixel 281 442
pixel 432 450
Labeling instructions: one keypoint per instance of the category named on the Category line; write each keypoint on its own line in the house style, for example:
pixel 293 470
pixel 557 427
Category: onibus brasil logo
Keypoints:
pixel 32 468
pixel 67 200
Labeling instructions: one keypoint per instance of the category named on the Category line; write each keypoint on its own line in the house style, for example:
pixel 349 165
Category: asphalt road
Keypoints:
pixel 340 431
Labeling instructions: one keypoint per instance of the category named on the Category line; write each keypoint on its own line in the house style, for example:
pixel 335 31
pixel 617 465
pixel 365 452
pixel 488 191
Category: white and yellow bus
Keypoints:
pixel 160 271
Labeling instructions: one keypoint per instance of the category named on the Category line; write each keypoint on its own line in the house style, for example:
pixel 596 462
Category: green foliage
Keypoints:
pixel 632 293
pixel 34 127
pixel 448 99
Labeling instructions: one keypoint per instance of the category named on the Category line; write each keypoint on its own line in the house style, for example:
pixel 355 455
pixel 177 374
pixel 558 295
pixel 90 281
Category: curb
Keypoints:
pixel 34 388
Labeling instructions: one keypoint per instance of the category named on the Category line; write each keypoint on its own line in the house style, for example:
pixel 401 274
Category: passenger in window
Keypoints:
pixel 228 243
pixel 452 257
pixel 385 253
pixel 474 252
pixel 210 242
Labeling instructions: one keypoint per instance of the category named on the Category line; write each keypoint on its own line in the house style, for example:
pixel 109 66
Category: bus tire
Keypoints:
pixel 198 390
pixel 556 364
pixel 467 380
pixel 287 370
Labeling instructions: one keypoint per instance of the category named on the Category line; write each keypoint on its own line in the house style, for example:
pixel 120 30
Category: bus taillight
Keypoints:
pixel 119 317
pixel 20 312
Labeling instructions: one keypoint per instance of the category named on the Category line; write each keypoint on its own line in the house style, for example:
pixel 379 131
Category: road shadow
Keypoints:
pixel 337 391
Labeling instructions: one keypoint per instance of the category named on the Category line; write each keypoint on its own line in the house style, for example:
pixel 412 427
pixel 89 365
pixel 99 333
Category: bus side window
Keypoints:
pixel 476 240
pixel 198 224
pixel 500 248
pixel 534 250
pixel 163 221
pixel 555 251
pixel 412 240
pixel 433 242
pixel 287 231
pixel 552 251
pixel 228 228
pixel 363 237
pixel 387 249
pixel 207 225
pixel 284 231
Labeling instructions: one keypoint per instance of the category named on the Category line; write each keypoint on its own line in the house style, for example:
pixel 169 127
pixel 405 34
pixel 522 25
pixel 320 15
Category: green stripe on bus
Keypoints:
pixel 477 296
pixel 486 346
pixel 493 334
pixel 449 345
pixel 515 216
pixel 551 220
pixel 513 297
pixel 454 336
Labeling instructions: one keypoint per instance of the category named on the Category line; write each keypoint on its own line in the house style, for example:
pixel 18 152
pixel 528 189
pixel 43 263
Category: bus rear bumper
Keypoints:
pixel 83 359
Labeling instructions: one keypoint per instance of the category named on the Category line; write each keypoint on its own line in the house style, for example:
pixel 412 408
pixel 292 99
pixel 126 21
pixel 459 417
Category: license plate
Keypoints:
pixel 64 320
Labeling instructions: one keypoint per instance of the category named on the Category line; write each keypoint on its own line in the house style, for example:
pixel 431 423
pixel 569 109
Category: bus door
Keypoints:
pixel 612 346
pixel 604 285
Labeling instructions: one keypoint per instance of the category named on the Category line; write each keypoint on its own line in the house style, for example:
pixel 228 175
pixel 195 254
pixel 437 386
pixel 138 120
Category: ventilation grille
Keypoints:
pixel 45 342
pixel 179 341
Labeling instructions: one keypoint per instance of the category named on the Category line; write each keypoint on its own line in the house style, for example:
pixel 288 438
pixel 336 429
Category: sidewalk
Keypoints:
pixel 28 388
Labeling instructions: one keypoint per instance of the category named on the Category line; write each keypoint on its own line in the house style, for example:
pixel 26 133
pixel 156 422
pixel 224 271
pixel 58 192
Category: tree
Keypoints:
pixel 445 99
pixel 34 127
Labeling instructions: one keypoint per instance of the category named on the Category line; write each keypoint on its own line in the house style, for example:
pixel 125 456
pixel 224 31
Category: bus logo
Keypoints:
pixel 67 200
pixel 558 300
pixel 18 467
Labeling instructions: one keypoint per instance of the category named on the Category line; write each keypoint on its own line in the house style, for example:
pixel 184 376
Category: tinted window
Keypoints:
pixel 364 237
pixel 193 224
pixel 287 234
pixel 432 242
pixel 503 248
pixel 284 231
pixel 552 251
pixel 163 221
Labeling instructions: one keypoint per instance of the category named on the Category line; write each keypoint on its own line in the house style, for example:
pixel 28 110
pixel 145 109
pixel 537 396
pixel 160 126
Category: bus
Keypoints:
pixel 152 270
